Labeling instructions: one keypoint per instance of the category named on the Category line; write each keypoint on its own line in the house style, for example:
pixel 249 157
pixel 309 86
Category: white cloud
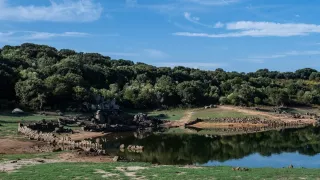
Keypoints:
pixel 131 3
pixel 213 2
pixel 66 11
pixel 196 20
pixel 191 64
pixel 287 54
pixel 146 53
pixel 219 25
pixel 263 58
pixel 260 29
pixel 190 18
pixel 252 60
pixel 185 27
pixel 46 35
pixel 120 54
pixel 34 35
pixel 154 53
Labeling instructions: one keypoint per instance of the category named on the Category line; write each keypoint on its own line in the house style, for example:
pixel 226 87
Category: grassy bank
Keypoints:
pixel 147 171
pixel 9 122
pixel 217 113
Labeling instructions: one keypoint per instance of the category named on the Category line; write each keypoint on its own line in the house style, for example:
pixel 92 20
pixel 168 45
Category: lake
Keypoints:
pixel 278 148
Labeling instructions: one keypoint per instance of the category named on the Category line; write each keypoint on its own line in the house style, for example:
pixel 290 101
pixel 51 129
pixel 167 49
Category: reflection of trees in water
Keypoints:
pixel 188 149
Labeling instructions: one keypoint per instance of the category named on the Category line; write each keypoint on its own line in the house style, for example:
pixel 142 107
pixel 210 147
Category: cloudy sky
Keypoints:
pixel 236 35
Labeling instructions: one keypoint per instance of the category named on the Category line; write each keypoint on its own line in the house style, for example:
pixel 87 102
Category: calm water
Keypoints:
pixel 299 147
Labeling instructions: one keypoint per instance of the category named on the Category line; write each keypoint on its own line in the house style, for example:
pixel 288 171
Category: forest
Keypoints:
pixel 40 77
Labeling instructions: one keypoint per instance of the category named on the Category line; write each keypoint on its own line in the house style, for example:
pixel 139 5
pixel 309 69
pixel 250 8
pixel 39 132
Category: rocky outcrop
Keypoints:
pixel 143 120
pixel 50 126
pixel 108 128
pixel 193 122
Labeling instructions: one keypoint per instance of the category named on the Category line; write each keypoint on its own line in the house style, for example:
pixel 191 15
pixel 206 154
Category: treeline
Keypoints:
pixel 38 76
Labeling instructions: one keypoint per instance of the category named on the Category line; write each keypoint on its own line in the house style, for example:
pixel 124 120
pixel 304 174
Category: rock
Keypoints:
pixel 116 158
pixel 161 115
pixel 245 169
pixel 14 161
pixel 41 161
pixel 122 146
pixel 17 111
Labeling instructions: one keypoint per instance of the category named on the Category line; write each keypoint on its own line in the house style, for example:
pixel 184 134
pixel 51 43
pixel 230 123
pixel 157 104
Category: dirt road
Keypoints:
pixel 185 119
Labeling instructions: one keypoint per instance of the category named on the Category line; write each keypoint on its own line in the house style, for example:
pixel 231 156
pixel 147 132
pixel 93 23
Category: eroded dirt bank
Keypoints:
pixel 16 146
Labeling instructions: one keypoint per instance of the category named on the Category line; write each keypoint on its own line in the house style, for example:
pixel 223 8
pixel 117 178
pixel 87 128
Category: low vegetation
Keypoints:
pixel 9 122
pixel 147 171
pixel 8 157
pixel 217 113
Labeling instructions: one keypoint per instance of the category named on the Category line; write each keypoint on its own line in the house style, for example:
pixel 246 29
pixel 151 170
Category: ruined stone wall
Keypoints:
pixel 254 120
pixel 54 139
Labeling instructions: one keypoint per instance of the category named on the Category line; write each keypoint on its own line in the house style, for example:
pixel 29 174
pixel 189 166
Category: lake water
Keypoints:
pixel 299 147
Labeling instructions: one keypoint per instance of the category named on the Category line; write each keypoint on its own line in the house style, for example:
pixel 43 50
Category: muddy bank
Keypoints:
pixel 15 146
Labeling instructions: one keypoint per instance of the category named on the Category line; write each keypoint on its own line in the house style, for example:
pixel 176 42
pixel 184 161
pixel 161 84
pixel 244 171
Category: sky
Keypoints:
pixel 235 35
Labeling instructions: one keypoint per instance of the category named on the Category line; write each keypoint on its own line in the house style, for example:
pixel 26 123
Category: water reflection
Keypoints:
pixel 210 150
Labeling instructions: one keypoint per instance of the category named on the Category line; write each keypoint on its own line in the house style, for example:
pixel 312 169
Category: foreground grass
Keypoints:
pixel 7 157
pixel 147 171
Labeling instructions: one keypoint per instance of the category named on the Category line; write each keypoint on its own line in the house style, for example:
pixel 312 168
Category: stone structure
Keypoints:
pixel 54 139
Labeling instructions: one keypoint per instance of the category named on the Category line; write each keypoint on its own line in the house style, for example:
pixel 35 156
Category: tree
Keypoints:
pixel 31 92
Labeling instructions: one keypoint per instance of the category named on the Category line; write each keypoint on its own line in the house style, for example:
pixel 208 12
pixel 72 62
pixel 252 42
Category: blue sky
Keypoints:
pixel 236 35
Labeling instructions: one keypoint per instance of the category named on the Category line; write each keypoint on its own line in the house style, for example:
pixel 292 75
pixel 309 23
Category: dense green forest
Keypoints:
pixel 38 76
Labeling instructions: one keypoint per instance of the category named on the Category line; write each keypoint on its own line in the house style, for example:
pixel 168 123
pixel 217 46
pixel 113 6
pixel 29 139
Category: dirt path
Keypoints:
pixel 266 114
pixel 185 119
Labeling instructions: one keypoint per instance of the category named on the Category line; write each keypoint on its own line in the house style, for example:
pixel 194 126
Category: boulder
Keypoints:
pixel 116 158
pixel 17 111
pixel 122 146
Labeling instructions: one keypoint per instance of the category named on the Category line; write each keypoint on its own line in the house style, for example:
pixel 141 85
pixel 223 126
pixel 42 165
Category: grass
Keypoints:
pixel 171 115
pixel 8 130
pixel 7 157
pixel 9 122
pixel 8 117
pixel 217 113
pixel 147 171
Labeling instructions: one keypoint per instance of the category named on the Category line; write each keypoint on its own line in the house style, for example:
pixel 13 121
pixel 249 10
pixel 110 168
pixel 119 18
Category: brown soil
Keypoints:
pixel 184 120
pixel 81 135
pixel 15 146
pixel 203 125
pixel 74 157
